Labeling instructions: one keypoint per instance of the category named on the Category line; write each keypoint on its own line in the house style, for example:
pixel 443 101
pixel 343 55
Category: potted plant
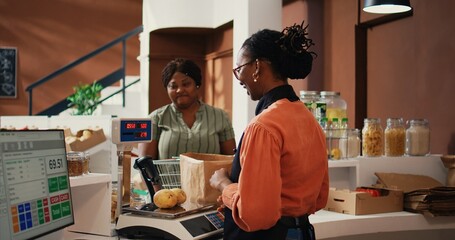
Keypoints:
pixel 84 101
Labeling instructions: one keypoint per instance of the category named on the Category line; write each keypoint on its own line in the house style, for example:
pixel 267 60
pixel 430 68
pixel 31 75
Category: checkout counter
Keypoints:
pixel 397 225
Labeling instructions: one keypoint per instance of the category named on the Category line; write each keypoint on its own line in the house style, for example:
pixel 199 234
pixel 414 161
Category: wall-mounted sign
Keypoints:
pixel 8 70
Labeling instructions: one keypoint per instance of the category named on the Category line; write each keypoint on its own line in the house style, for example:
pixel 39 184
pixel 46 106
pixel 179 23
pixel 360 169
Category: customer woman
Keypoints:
pixel 187 124
pixel 279 174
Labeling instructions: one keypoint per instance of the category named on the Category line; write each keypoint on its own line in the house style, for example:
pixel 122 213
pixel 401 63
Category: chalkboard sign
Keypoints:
pixel 8 67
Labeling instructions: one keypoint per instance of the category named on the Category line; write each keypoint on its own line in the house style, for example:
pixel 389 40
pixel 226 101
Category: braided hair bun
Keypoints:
pixel 296 59
pixel 287 51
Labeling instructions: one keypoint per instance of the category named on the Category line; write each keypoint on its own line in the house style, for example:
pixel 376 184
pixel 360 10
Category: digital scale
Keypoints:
pixel 175 223
pixel 187 221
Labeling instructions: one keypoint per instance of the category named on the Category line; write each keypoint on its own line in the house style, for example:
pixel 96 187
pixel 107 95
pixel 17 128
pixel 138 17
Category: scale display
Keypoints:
pixel 129 130
pixel 204 224
pixel 35 196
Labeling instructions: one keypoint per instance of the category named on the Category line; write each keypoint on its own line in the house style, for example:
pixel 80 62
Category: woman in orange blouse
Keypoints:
pixel 279 174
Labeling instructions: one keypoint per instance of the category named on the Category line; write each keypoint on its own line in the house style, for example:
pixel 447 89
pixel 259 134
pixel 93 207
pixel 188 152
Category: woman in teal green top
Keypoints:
pixel 187 124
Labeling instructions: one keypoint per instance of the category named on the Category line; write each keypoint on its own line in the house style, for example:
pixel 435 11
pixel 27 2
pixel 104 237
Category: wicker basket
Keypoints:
pixel 448 161
pixel 169 170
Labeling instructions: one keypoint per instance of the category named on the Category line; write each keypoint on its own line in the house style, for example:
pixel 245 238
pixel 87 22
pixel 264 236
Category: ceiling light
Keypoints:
pixel 386 6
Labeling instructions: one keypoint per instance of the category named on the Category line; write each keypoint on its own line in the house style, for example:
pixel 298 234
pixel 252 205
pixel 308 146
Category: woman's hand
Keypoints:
pixel 220 179
pixel 221 205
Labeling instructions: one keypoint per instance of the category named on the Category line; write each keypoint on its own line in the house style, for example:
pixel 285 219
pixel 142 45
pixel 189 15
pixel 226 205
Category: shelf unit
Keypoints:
pixel 343 173
pixel 351 173
pixel 356 172
pixel 91 195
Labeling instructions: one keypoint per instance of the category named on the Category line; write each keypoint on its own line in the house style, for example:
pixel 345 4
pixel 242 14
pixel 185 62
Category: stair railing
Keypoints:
pixel 122 39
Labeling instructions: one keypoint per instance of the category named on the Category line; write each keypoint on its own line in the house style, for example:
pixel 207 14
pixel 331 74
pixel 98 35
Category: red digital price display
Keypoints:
pixel 135 131
pixel 131 125
pixel 141 134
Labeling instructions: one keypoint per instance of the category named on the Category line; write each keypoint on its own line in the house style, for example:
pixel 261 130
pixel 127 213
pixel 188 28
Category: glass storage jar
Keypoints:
pixel 372 138
pixel 85 164
pixel 336 106
pixel 418 137
pixel 394 137
pixel 75 163
pixel 312 101
pixel 350 143
pixel 309 97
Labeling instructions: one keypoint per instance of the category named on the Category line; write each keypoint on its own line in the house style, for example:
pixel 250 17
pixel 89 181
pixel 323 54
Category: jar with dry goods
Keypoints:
pixel 372 138
pixel 75 163
pixel 394 137
pixel 85 164
pixel 350 143
pixel 418 137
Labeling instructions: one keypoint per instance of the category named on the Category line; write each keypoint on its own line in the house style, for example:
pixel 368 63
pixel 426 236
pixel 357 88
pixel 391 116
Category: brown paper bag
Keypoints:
pixel 195 172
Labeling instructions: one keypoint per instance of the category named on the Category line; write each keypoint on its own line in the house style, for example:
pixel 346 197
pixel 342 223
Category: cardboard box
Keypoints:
pixel 67 132
pixel 422 194
pixel 359 203
pixel 82 144
pixel 406 182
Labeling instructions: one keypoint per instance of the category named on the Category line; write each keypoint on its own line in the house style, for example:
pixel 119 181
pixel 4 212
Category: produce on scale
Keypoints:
pixel 168 198
pixel 181 195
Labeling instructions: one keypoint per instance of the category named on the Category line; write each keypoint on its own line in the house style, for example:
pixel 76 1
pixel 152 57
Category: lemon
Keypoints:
pixel 335 153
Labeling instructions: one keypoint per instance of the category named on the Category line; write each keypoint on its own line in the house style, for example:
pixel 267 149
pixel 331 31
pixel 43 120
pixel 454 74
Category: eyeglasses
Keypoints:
pixel 236 70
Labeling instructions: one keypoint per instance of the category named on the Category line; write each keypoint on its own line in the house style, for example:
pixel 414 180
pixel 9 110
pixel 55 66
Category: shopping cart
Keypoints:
pixel 169 171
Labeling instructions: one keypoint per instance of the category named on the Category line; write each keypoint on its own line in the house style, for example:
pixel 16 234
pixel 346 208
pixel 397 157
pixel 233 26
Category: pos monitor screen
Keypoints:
pixel 35 194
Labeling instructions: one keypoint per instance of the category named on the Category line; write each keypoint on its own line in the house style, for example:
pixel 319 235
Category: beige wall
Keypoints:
pixel 49 34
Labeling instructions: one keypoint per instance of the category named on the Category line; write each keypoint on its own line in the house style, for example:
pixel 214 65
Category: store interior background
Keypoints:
pixel 410 61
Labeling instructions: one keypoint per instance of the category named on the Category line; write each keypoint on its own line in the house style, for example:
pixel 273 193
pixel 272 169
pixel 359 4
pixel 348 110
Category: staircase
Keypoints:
pixel 114 105
pixel 108 83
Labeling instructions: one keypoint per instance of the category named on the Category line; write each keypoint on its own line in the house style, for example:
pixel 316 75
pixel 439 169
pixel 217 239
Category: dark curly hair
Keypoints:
pixel 287 50
pixel 185 66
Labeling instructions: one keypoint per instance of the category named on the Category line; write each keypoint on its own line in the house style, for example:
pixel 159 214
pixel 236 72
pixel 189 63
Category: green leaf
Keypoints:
pixel 85 98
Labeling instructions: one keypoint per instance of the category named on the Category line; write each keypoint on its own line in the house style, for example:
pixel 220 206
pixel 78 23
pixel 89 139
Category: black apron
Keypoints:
pixel 280 230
